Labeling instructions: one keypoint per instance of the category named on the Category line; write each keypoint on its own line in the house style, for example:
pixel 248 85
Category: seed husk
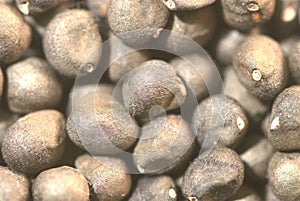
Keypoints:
pixel 101 125
pixel 34 7
pixel 261 66
pixel 165 144
pixel 284 174
pixel 216 176
pixel 183 5
pixel 107 177
pixel 231 131
pixel 76 48
pixel 60 184
pixel 15 34
pixel 154 83
pixel 137 22
pixel 294 62
pixel 32 86
pixel 155 188
pixel 13 186
pixel 246 14
pixel 35 142
pixel 284 123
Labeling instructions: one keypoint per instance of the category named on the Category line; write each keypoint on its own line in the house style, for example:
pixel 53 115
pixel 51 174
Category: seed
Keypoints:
pixel 35 142
pixel 198 25
pixel 15 34
pixel 119 68
pixel 155 188
pixel 227 45
pixel 261 66
pixel 284 174
pixel 61 183
pixel 256 159
pixel 137 22
pixel 13 186
pixel 32 86
pixel 230 131
pixel 244 15
pixel 284 123
pixel 270 195
pixel 99 7
pixel 7 118
pixel 165 144
pixel 183 5
pixel 216 176
pixel 101 125
pixel 33 7
pixel 154 83
pixel 294 62
pixel 106 176
pixel 75 48
pixel 246 193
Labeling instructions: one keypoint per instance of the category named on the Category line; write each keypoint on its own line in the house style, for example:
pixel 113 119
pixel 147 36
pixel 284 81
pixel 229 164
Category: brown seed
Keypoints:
pixel 137 22
pixel 294 62
pixel 217 176
pixel 246 14
pixel 101 125
pixel 60 184
pixel 254 107
pixel 155 188
pixel 34 7
pixel 198 25
pixel 15 34
pixel 32 86
pixel 284 123
pixel 261 66
pixel 35 142
pixel 284 176
pixel 106 176
pixel 13 186
pixel 165 144
pixel 76 47
pixel 183 5
pixel 154 83
pixel 230 131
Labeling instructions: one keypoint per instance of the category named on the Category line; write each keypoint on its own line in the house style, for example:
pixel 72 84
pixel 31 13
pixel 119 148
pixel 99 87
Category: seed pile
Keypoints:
pixel 112 100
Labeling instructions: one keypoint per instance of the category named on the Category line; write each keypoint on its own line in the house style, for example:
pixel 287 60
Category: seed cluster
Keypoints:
pixel 149 100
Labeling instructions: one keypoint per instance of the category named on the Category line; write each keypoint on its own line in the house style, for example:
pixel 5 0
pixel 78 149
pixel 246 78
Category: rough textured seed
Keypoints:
pixel 217 176
pixel 13 186
pixel 165 144
pixel 184 5
pixel 15 34
pixel 32 86
pixel 284 123
pixel 153 83
pixel 72 42
pixel 284 176
pixel 294 62
pixel 155 189
pixel 106 176
pixel 35 142
pixel 142 19
pixel 80 91
pixel 193 76
pixel 270 195
pixel 99 7
pixel 198 25
pixel 60 184
pixel 235 89
pixel 261 66
pixel 35 7
pixel 246 14
pixel 256 159
pixel 231 131
pixel 246 193
pixel 126 63
pixel 101 125
pixel 227 45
